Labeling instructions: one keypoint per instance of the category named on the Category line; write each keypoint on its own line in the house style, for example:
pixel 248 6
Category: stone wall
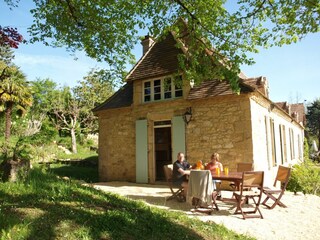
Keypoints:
pixel 220 124
pixel 117 145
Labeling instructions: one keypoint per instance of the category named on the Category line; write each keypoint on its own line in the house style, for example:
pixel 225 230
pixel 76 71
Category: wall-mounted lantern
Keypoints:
pixel 187 115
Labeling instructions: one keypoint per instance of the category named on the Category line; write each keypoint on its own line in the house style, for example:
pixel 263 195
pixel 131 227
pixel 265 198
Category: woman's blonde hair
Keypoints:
pixel 216 156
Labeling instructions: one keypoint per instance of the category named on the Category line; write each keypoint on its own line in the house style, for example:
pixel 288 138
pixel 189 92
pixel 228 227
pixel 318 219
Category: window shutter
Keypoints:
pixel 178 136
pixel 141 151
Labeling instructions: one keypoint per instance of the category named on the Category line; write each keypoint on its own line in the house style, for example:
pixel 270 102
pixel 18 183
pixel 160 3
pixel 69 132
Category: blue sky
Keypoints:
pixel 293 71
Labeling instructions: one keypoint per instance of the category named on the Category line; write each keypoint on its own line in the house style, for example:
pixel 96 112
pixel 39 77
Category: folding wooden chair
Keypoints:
pixel 168 175
pixel 242 167
pixel 283 175
pixel 254 181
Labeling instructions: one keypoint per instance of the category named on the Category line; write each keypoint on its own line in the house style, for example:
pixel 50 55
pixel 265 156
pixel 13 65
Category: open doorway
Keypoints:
pixel 163 149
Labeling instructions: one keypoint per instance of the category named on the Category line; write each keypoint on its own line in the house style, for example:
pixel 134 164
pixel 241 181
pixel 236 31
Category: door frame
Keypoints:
pixel 154 145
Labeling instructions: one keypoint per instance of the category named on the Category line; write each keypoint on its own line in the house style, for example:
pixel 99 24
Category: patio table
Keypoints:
pixel 231 176
pixel 235 177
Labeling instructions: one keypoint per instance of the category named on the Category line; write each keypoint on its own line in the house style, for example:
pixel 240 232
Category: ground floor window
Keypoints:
pixel 273 143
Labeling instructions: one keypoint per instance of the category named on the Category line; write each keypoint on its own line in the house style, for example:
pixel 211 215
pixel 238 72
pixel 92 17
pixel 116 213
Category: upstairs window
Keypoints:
pixel 162 89
pixel 147 91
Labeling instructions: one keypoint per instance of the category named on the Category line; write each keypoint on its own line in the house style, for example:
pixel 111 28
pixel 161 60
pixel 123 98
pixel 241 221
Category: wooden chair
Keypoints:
pixel 242 167
pixel 254 181
pixel 168 175
pixel 274 194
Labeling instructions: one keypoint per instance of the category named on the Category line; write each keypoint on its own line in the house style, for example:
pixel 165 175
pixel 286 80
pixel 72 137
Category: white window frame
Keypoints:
pixel 173 89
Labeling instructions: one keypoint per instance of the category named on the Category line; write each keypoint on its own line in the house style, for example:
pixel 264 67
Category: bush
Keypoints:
pixel 305 177
pixel 65 142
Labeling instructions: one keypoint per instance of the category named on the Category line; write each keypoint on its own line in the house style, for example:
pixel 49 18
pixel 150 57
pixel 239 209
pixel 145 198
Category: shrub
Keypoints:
pixel 65 142
pixel 305 177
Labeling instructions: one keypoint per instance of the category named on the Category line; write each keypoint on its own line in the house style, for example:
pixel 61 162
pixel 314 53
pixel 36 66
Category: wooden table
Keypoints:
pixel 235 177
pixel 231 176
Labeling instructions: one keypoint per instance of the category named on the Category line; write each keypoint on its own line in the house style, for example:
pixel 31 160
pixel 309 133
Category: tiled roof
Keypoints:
pixel 242 75
pixel 122 98
pixel 255 81
pixel 298 109
pixel 259 83
pixel 160 60
pixel 214 88
pixel 284 106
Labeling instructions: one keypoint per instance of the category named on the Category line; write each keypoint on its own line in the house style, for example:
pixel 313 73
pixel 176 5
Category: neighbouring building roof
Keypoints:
pixel 284 106
pixel 122 98
pixel 297 111
pixel 294 110
pixel 161 59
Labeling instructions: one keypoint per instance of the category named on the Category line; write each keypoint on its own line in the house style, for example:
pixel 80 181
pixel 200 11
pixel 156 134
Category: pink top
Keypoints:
pixel 211 166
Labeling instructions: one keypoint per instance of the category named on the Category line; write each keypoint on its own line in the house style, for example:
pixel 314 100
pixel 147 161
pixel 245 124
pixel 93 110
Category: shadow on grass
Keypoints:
pixel 47 208
pixel 87 174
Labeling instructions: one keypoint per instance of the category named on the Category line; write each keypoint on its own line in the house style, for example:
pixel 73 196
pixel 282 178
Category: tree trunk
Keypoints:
pixel 8 113
pixel 73 141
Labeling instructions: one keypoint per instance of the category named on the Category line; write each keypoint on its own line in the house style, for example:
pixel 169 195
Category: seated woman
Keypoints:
pixel 213 165
pixel 179 173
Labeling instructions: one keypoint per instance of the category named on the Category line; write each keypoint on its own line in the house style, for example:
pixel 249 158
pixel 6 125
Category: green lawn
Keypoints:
pixel 45 207
pixel 85 170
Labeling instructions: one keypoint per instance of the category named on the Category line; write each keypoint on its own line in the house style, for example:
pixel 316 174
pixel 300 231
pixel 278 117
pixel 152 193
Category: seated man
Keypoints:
pixel 179 173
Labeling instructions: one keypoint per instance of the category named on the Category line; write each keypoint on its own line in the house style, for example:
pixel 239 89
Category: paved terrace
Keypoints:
pixel 301 220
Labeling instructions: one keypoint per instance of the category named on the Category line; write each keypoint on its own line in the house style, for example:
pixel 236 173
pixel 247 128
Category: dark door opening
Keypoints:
pixel 162 144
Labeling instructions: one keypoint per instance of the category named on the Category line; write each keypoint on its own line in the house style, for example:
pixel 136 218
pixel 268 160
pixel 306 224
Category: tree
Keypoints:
pixel 14 91
pixel 43 93
pixel 6 56
pixel 313 118
pixel 65 114
pixel 10 37
pixel 93 90
pixel 224 30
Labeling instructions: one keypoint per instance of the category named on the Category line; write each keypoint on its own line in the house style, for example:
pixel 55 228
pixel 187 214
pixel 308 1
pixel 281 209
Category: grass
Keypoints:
pixel 85 170
pixel 83 152
pixel 45 207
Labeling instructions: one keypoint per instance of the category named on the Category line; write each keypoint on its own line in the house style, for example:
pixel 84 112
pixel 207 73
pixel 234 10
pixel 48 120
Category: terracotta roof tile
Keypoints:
pixel 160 60
pixel 297 110
pixel 259 83
pixel 283 105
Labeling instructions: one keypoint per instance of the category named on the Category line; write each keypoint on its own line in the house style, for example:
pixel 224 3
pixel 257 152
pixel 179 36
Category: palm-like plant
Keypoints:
pixel 14 92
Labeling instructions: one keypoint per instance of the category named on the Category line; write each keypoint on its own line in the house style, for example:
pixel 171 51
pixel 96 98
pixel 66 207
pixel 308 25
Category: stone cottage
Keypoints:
pixel 151 118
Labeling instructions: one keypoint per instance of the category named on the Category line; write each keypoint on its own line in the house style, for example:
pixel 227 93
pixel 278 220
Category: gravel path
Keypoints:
pixel 301 220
